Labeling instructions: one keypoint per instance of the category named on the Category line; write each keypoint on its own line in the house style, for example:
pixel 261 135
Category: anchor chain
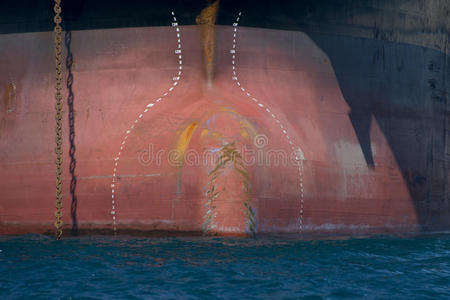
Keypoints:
pixel 58 107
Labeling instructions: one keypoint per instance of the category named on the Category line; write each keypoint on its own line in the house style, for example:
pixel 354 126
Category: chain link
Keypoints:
pixel 58 107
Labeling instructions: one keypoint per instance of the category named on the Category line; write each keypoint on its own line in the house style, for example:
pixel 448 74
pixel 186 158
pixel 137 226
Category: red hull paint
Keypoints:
pixel 118 72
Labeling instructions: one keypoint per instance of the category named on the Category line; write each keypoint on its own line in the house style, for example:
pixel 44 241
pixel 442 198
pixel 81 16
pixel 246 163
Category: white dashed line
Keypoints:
pixel 129 131
pixel 299 153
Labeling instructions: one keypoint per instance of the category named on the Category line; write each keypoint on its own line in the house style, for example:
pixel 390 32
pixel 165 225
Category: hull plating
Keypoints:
pixel 291 95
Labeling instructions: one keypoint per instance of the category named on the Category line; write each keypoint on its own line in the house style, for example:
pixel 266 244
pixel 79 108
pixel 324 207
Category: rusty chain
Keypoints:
pixel 58 107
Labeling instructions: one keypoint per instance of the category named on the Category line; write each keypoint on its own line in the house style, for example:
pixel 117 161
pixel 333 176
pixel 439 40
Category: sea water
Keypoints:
pixel 98 267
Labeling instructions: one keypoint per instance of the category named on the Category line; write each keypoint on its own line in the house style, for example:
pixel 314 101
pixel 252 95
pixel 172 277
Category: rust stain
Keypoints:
pixel 10 97
pixel 207 20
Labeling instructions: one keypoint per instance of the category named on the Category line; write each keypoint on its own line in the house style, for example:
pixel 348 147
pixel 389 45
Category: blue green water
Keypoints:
pixel 38 267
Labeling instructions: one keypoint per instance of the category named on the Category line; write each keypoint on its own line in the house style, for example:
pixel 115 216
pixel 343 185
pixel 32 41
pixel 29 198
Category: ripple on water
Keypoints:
pixel 100 267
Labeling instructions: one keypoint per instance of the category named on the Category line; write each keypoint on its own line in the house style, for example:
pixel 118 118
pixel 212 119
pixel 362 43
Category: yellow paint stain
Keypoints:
pixel 245 124
pixel 216 135
pixel 227 109
pixel 204 133
pixel 247 127
pixel 185 138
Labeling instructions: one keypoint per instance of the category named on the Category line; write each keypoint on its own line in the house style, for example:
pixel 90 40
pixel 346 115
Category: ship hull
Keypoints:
pixel 342 133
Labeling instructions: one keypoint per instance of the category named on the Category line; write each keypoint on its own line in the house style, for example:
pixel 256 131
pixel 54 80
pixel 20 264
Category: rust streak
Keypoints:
pixel 207 20
pixel 10 97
